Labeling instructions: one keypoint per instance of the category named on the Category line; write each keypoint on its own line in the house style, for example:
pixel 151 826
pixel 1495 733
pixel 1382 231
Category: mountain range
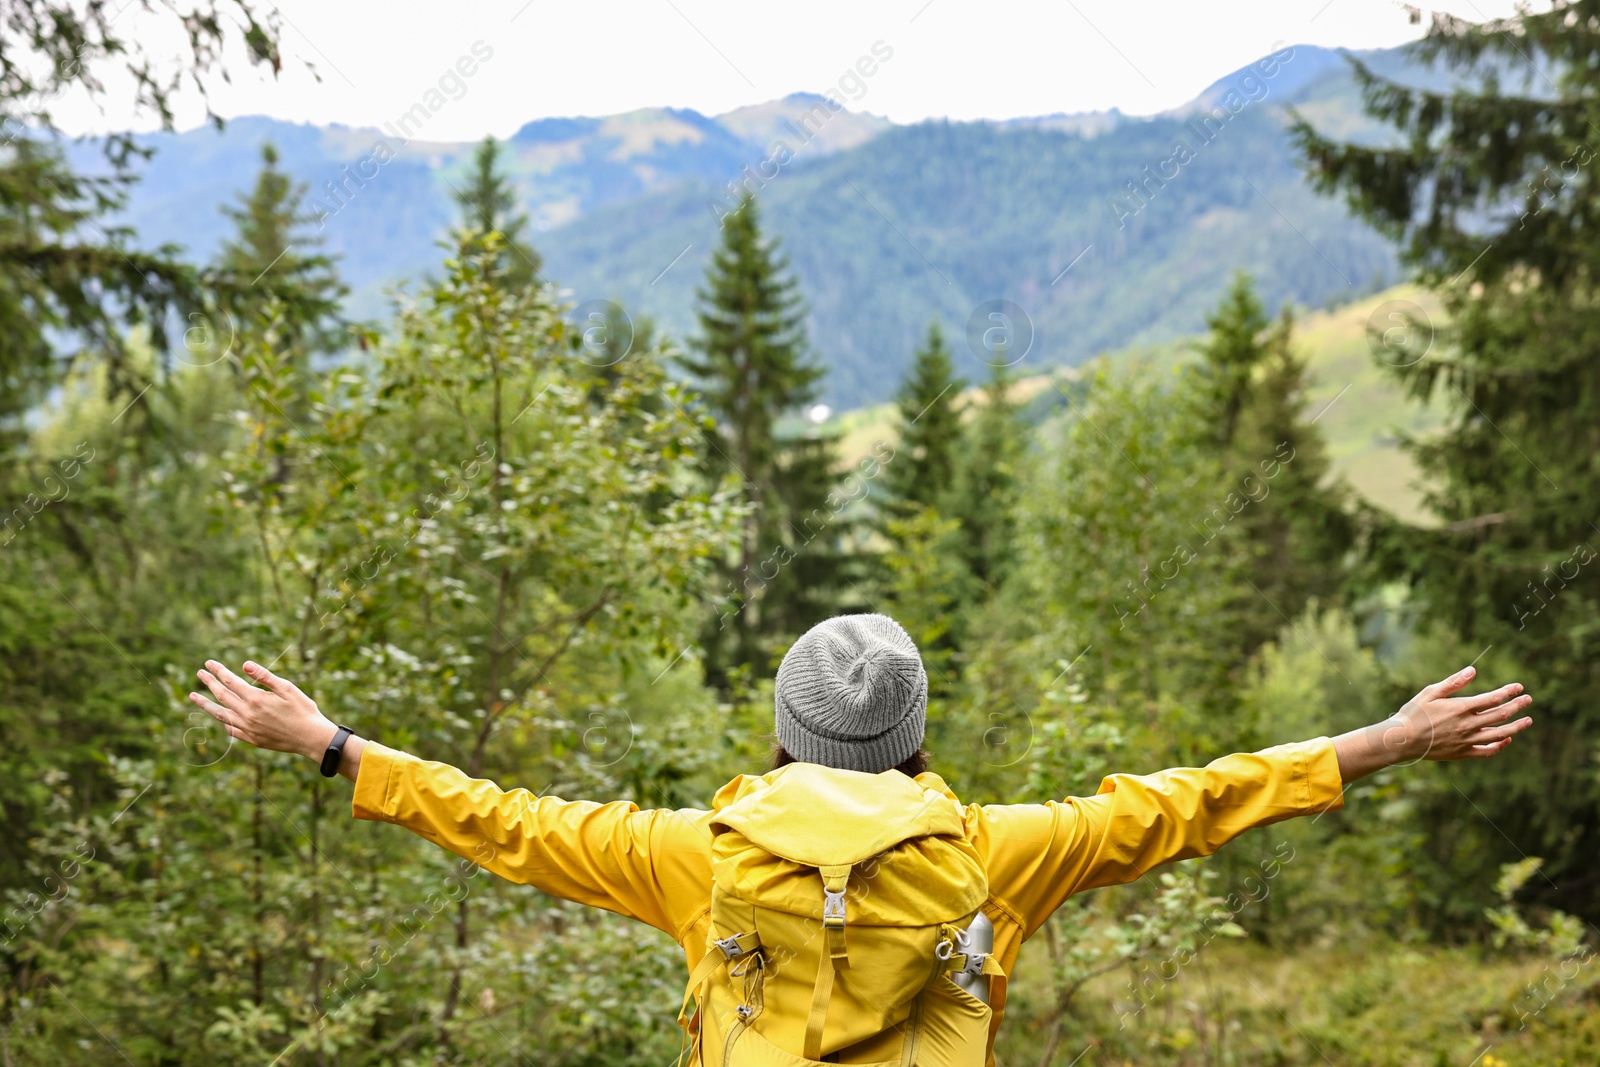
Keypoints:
pixel 1089 232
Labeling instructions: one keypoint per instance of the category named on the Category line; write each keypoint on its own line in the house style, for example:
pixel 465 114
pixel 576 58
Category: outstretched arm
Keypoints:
pixel 1040 854
pixel 648 865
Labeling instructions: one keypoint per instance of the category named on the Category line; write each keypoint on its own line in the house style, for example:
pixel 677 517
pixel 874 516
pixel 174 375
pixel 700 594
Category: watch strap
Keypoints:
pixel 335 753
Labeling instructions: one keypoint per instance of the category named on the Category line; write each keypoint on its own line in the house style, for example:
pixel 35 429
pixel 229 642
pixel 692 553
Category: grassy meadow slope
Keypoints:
pixel 1362 409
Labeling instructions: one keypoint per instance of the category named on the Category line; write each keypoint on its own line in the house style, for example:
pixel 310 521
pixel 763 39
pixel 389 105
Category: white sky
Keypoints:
pixel 951 58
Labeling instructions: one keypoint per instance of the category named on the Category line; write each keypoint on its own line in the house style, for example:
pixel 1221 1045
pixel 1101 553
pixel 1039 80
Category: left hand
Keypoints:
pixel 280 717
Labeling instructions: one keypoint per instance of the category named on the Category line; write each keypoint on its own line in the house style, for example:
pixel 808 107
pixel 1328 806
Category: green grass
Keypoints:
pixel 1380 1005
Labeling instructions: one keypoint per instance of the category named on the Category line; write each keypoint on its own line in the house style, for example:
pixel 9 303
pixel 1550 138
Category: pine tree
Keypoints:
pixel 489 205
pixel 1489 186
pixel 924 462
pixel 273 256
pixel 753 369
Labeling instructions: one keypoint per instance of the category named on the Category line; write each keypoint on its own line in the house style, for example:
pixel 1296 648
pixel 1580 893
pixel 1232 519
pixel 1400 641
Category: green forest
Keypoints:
pixel 564 550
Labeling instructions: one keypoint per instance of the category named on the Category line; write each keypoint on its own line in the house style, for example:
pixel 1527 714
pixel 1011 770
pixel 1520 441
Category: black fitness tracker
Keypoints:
pixel 331 758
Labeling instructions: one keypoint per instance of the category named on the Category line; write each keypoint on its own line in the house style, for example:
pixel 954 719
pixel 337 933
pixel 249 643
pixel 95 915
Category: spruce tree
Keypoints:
pixel 489 205
pixel 274 256
pixel 924 577
pixel 755 374
pixel 1489 187
pixel 983 489
pixel 929 422
pixel 1230 355
pixel 1304 531
pixel 71 285
pixel 72 280
pixel 1292 529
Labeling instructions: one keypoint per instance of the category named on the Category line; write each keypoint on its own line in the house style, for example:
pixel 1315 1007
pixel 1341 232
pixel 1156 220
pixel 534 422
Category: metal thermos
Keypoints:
pixel 978 939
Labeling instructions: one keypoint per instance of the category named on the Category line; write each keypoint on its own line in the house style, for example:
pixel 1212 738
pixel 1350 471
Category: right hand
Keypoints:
pixel 279 717
pixel 1434 725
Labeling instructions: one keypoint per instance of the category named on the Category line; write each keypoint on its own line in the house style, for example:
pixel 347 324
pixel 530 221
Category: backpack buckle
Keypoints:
pixel 974 965
pixel 833 907
pixel 735 946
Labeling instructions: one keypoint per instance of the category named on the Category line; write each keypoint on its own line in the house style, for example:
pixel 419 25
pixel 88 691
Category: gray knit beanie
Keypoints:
pixel 852 694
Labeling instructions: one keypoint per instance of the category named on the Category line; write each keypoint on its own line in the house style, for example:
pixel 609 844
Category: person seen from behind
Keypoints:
pixel 846 907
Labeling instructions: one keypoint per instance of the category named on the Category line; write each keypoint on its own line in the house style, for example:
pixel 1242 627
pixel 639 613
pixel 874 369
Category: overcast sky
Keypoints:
pixel 947 58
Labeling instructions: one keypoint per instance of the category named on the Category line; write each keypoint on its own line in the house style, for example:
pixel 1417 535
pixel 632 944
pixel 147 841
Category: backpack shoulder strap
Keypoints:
pixel 723 951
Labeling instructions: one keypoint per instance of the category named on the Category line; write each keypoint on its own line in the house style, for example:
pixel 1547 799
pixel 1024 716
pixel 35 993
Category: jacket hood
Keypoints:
pixel 817 815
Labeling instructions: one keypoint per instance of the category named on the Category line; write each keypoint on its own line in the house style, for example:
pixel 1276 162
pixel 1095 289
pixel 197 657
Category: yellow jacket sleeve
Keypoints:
pixel 1038 855
pixel 653 866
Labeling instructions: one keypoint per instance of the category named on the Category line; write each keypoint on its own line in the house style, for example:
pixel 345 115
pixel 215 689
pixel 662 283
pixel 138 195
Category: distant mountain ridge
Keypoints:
pixel 887 226
pixel 385 225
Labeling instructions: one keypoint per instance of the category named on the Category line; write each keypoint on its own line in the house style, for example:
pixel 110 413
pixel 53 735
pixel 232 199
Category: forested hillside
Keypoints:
pixel 885 225
pixel 940 218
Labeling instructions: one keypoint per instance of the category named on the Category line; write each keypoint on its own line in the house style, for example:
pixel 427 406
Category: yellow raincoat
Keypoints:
pixel 655 866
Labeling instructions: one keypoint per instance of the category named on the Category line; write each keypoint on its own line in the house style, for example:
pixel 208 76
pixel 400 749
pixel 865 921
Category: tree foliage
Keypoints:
pixel 983 490
pixel 67 288
pixel 51 46
pixel 1491 192
pixel 69 285
pixel 467 553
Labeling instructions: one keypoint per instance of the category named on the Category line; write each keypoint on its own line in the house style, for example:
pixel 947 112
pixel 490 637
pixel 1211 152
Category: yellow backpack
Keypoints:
pixel 839 907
